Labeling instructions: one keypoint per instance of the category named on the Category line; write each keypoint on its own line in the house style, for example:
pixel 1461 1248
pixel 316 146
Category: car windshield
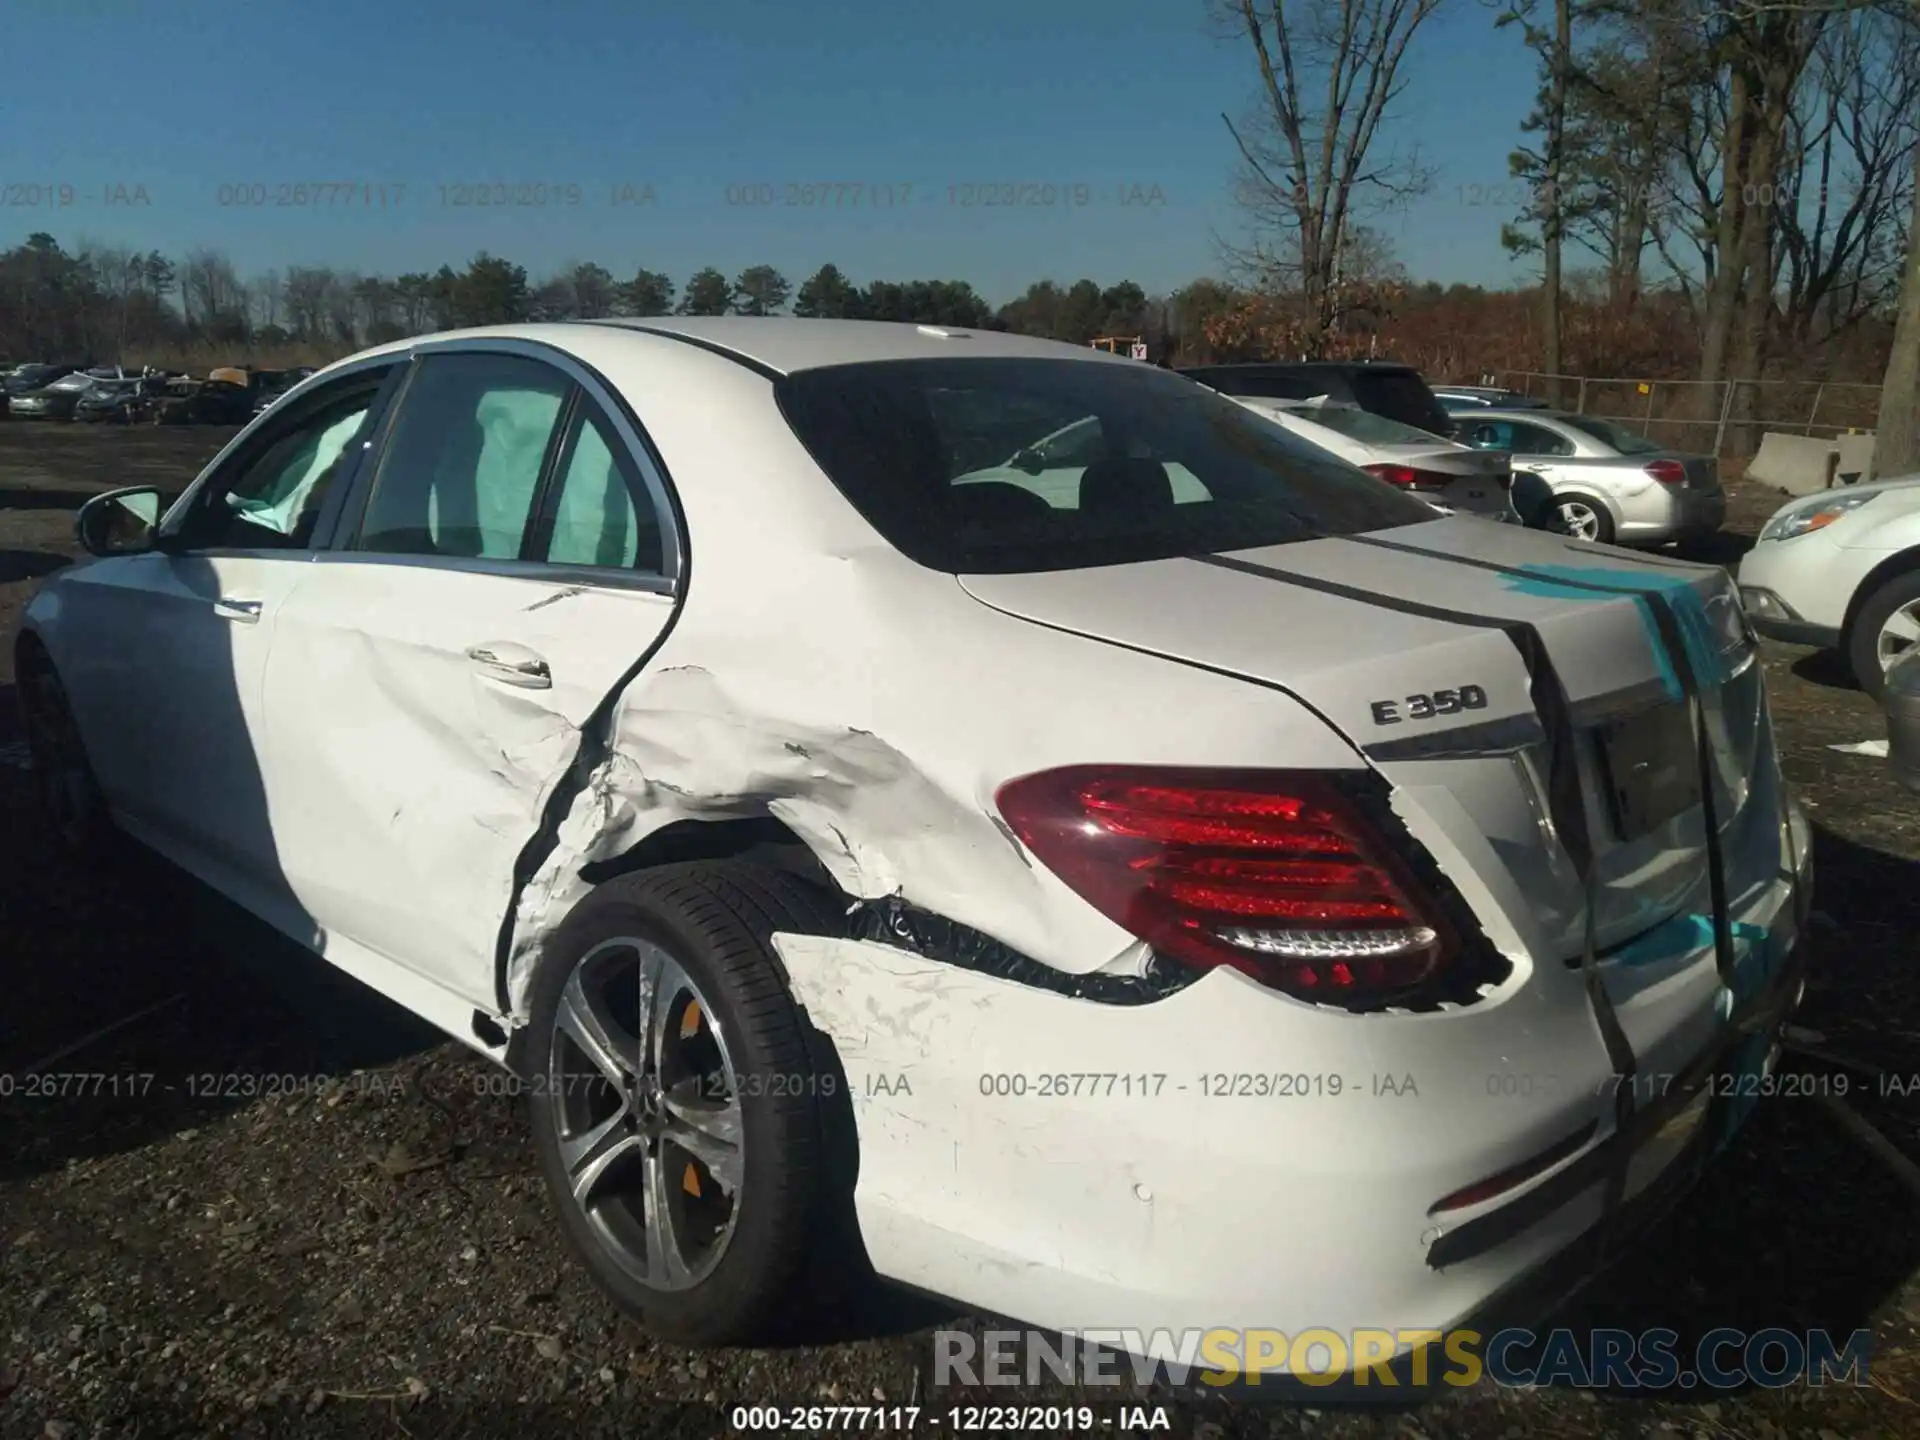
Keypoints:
pixel 73 382
pixel 1158 466
pixel 1363 425
pixel 115 387
pixel 1621 442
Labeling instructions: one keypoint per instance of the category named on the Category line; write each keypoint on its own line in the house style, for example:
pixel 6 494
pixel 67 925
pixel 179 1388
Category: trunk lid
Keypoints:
pixel 1410 643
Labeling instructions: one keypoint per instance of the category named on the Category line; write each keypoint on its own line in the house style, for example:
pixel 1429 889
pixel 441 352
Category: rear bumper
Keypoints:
pixel 989 1176
pixel 1699 512
pixel 1662 513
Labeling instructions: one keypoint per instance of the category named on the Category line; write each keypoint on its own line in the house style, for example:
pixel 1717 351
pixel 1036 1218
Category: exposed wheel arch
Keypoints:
pixel 1888 569
pixel 763 839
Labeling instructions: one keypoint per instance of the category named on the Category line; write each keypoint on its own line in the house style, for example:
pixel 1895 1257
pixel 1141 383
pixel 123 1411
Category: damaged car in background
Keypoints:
pixel 851 848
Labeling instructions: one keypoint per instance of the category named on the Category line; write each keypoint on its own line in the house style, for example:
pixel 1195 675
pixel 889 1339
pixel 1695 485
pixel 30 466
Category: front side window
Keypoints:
pixel 1621 442
pixel 1179 470
pixel 273 496
pixel 458 472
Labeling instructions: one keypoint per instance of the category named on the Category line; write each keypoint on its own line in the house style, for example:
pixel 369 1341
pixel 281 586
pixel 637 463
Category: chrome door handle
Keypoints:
pixel 512 665
pixel 244 612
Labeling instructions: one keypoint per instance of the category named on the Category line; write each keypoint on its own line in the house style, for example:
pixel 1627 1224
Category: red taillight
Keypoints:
pixel 1668 472
pixel 1272 872
pixel 1406 475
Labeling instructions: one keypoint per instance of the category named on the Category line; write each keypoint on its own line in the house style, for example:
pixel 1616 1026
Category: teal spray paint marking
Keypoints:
pixel 1758 951
pixel 1697 633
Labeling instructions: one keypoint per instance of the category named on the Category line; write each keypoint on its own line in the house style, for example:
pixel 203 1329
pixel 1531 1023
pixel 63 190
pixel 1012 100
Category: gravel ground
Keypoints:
pixel 351 1238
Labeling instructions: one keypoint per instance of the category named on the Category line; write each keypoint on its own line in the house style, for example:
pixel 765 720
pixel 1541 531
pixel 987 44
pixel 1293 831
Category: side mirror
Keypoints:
pixel 1028 462
pixel 120 522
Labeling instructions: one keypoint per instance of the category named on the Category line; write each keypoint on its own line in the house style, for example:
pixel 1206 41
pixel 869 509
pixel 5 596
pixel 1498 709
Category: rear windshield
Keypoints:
pixel 1622 442
pixel 1403 395
pixel 1363 425
pixel 1014 465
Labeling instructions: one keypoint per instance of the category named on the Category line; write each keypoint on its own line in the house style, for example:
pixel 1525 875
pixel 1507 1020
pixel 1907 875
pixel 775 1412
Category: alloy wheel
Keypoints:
pixel 1899 632
pixel 646 1108
pixel 1582 521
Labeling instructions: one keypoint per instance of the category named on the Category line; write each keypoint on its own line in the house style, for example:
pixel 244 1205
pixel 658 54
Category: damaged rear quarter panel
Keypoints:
pixel 883 747
pixel 817 675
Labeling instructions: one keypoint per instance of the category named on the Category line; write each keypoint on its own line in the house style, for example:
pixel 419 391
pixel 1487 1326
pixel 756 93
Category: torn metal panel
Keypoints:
pixel 892 921
pixel 892 794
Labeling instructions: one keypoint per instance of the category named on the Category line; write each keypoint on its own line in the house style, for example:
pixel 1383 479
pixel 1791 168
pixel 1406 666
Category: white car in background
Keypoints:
pixel 1452 476
pixel 1226 895
pixel 1840 570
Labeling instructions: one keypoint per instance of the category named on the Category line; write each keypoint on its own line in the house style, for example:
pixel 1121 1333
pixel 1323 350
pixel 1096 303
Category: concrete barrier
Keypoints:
pixel 1806 464
pixel 1856 457
pixel 1797 464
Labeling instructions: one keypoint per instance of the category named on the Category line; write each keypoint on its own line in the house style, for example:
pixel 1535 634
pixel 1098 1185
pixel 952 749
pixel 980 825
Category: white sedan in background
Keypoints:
pixel 1841 570
pixel 1139 912
pixel 1450 475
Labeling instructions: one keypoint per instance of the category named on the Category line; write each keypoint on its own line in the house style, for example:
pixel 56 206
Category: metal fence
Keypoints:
pixel 1682 413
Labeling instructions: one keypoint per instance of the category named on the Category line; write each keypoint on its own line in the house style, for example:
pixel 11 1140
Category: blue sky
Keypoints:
pixel 204 107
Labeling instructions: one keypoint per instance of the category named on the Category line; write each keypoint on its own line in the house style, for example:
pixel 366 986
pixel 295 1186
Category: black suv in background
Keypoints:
pixel 1395 391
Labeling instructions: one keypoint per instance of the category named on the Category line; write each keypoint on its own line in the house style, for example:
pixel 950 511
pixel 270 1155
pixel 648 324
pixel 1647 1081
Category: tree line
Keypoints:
pixel 108 304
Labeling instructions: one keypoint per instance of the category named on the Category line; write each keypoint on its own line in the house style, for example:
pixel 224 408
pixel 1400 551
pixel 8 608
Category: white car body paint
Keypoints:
pixel 1818 575
pixel 814 673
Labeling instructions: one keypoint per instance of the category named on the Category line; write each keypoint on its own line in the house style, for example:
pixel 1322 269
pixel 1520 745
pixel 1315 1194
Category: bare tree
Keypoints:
pixel 305 291
pixel 212 295
pixel 1843 187
pixel 1548 205
pixel 264 294
pixel 1896 443
pixel 1329 73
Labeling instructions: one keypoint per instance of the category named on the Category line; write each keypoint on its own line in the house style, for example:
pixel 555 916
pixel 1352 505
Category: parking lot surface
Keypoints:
pixel 268 1202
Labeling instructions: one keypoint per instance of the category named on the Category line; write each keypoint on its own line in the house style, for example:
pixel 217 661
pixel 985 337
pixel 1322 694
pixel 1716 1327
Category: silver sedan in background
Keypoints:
pixel 1613 486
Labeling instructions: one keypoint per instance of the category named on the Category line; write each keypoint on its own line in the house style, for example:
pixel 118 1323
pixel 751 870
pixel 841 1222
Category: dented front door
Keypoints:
pixel 413 744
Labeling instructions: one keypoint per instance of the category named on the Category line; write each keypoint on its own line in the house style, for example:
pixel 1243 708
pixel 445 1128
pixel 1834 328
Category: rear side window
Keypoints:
pixel 595 520
pixel 1005 465
pixel 459 471
pixel 1535 440
pixel 1401 395
pixel 1623 442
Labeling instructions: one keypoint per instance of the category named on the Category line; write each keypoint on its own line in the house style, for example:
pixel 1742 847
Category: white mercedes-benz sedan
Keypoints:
pixel 1245 901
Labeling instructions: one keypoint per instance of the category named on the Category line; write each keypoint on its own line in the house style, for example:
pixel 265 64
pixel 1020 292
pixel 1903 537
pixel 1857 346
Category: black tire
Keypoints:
pixel 1602 517
pixel 1863 637
pixel 714 920
pixel 68 792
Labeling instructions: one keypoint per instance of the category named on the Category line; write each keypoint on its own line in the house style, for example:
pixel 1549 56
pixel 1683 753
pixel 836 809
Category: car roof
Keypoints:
pixel 784 345
pixel 1526 414
pixel 1294 367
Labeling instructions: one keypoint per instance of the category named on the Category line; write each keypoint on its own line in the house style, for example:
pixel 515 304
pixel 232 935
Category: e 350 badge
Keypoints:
pixel 1425 707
